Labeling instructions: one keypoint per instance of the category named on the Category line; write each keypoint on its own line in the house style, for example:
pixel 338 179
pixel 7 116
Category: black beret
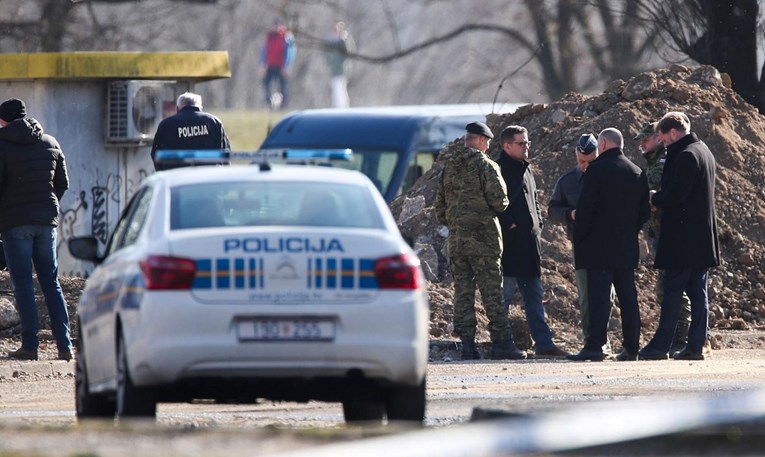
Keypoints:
pixel 479 128
pixel 12 109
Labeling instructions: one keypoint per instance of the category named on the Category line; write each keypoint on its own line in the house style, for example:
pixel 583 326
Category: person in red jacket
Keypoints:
pixel 276 58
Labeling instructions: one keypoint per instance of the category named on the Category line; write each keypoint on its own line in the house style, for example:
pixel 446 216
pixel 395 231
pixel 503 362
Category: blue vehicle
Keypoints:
pixel 393 145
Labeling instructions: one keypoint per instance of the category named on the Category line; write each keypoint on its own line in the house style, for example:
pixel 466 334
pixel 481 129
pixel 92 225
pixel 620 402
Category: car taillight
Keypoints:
pixel 399 272
pixel 168 273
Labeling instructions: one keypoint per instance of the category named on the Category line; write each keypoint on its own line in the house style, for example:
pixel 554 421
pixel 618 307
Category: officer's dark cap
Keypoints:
pixel 480 128
pixel 587 144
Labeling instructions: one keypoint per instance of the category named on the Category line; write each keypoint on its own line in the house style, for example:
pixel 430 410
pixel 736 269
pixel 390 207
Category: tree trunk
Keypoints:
pixel 730 45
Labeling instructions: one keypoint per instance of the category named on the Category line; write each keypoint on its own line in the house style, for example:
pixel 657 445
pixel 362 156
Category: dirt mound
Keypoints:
pixel 734 131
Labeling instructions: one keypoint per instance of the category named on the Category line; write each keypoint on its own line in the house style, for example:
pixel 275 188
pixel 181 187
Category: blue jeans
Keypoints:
pixel 277 74
pixel 36 244
pixel 532 292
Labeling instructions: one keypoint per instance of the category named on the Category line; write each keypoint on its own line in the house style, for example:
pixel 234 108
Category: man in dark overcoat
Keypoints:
pixel 611 212
pixel 521 228
pixel 688 245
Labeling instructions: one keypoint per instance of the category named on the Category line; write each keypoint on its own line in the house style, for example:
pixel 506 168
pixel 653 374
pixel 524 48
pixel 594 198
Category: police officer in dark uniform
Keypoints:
pixel 189 129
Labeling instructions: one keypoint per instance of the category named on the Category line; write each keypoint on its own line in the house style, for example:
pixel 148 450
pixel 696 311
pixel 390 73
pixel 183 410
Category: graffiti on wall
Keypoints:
pixel 94 213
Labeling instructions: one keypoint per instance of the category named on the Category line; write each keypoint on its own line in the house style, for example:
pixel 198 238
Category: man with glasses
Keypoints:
pixel 521 229
pixel 610 214
pixel 688 245
pixel 469 196
pixel 654 153
pixel 562 209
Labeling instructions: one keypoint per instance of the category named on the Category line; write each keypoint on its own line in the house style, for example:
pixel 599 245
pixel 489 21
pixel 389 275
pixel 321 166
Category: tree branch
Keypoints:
pixel 466 28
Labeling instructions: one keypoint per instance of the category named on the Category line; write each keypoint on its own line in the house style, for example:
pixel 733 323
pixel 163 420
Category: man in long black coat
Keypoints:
pixel 612 209
pixel 521 228
pixel 688 244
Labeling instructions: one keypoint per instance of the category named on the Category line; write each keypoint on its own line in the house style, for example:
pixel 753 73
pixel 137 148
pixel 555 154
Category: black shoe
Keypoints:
pixel 553 351
pixel 586 354
pixel 506 350
pixel 626 356
pixel 648 354
pixel 23 354
pixel 677 346
pixel 687 354
pixel 65 355
pixel 469 351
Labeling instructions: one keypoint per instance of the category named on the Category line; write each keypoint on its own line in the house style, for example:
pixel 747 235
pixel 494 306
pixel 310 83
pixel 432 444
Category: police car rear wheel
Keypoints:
pixel 406 403
pixel 132 401
pixel 356 411
pixel 88 405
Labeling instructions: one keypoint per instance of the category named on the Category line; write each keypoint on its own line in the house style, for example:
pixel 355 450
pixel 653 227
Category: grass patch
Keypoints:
pixel 246 130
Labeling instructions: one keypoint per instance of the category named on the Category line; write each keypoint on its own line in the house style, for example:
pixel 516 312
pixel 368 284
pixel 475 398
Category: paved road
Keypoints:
pixel 36 404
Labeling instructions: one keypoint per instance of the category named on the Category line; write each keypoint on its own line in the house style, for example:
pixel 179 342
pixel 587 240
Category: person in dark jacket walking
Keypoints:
pixel 611 212
pixel 33 179
pixel 688 245
pixel 189 128
pixel 521 228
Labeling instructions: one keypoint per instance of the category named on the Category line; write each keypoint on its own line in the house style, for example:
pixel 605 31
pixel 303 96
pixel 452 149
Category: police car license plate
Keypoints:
pixel 286 330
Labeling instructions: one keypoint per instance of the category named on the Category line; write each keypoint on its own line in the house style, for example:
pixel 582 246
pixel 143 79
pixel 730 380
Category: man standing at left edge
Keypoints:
pixel 33 179
pixel 470 194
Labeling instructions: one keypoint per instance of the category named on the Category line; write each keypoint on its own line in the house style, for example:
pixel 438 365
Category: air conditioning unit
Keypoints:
pixel 135 108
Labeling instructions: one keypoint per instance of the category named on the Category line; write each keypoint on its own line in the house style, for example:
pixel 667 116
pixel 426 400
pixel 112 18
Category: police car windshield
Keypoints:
pixel 263 203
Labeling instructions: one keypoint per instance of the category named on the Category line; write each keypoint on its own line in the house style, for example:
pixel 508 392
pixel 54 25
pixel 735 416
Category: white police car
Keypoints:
pixel 242 283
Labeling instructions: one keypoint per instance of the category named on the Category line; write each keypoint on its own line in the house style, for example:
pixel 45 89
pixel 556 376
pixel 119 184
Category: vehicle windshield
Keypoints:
pixel 379 166
pixel 263 203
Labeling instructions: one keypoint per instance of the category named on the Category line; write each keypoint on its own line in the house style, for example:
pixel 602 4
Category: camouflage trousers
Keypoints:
pixel 486 274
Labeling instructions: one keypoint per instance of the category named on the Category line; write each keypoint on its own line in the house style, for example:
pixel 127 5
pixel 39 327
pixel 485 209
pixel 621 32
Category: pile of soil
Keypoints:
pixel 733 130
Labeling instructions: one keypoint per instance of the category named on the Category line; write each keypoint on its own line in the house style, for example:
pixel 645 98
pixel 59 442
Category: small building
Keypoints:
pixel 103 107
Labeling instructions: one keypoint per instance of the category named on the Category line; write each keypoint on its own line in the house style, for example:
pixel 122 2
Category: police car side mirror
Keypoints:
pixel 85 248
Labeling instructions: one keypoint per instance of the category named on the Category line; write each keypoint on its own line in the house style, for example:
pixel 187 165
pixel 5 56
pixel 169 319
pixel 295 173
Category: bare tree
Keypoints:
pixel 409 51
pixel 721 34
pixel 607 38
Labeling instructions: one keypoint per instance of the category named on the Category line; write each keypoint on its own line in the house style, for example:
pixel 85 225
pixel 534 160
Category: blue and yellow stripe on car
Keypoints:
pixel 322 273
pixel 350 276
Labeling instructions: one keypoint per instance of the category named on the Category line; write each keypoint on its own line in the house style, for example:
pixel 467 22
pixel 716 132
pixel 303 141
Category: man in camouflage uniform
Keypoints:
pixel 470 194
pixel 654 152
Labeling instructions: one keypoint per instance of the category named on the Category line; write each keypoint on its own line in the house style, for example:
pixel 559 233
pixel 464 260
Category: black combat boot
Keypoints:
pixel 506 350
pixel 469 351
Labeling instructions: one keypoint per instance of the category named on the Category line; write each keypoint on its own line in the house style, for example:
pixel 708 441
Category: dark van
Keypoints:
pixel 392 145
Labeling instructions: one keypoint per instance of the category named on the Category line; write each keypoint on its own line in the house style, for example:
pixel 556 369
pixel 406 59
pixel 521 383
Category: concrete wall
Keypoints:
pixel 102 178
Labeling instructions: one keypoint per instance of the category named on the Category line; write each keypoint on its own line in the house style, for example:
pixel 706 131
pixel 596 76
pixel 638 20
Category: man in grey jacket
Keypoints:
pixel 562 209
pixel 33 179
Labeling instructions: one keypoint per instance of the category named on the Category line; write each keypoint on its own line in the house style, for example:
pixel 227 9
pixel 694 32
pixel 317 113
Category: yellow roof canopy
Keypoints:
pixel 196 65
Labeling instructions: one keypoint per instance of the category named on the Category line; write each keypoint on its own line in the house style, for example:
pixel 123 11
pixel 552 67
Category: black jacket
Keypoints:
pixel 611 211
pixel 687 201
pixel 33 175
pixel 521 253
pixel 189 129
pixel 564 199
